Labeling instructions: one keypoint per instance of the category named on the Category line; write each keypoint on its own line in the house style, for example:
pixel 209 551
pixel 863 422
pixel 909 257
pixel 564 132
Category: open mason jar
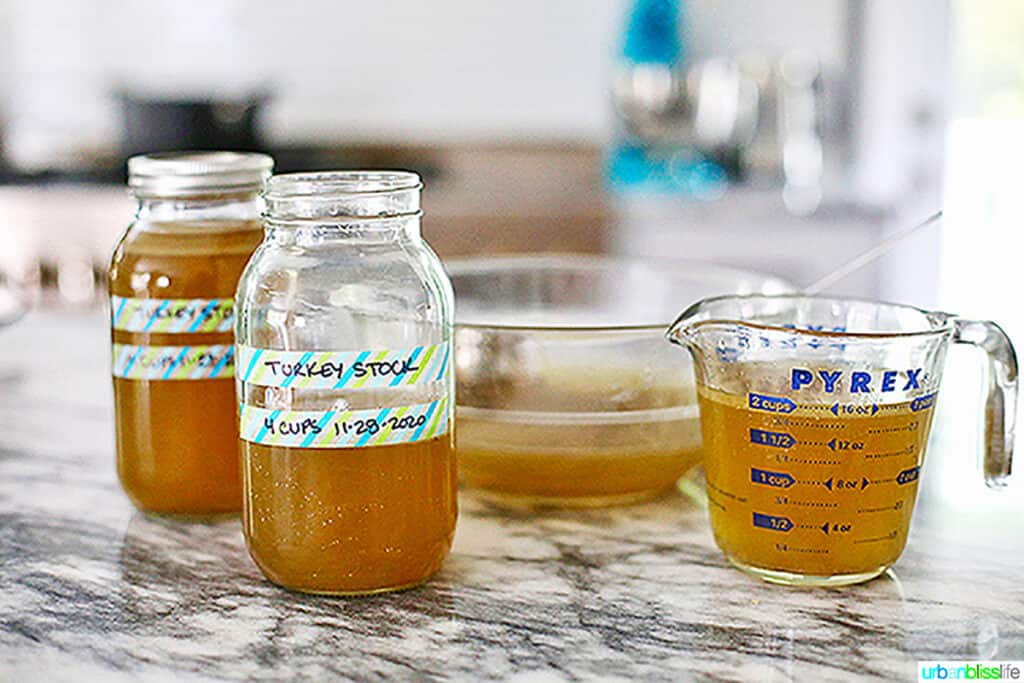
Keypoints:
pixel 344 354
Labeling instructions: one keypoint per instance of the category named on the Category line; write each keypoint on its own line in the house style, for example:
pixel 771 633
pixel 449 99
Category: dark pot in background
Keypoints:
pixel 153 123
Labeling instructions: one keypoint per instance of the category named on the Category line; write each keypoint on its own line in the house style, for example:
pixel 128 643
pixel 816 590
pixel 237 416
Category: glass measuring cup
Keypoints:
pixel 815 414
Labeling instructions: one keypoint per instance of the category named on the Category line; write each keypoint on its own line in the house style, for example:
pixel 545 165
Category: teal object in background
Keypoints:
pixel 654 40
pixel 653 34
pixel 682 172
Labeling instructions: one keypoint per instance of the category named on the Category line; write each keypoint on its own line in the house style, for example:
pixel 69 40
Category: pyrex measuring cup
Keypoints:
pixel 815 414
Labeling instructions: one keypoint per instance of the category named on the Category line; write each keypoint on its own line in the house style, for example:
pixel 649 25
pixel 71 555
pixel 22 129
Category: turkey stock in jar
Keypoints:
pixel 344 370
pixel 172 282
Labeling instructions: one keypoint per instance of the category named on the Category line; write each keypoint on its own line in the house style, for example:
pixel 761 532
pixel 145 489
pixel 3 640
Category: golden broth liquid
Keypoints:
pixel 177 440
pixel 835 498
pixel 350 520
pixel 637 450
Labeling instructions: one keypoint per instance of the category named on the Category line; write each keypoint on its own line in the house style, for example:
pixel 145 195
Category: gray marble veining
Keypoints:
pixel 92 590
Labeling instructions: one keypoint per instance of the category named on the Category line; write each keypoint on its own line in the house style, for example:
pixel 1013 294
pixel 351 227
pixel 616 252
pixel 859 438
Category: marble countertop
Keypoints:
pixel 92 590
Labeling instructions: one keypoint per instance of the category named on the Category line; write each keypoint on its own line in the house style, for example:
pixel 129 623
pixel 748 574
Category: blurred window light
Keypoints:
pixel 990 58
pixel 985 141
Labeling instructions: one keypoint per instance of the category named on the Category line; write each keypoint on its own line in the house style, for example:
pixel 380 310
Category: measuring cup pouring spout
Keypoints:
pixel 680 332
pixel 815 414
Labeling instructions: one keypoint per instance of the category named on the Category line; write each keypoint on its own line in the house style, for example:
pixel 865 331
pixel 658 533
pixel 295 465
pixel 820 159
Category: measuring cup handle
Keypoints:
pixel 1000 394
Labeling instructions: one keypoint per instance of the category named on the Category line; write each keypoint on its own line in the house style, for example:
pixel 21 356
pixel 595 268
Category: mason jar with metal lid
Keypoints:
pixel 172 283
pixel 345 375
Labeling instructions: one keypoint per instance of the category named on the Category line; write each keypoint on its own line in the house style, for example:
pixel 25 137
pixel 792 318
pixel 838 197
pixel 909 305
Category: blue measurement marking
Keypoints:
pixel 728 355
pixel 923 402
pixel 845 484
pixel 908 476
pixel 842 445
pixel 771 404
pixel 780 480
pixel 772 522
pixel 771 439
pixel 859 410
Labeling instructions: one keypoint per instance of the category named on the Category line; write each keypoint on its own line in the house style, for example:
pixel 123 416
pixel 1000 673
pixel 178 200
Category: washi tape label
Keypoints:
pixel 344 428
pixel 172 315
pixel 343 369
pixel 174 362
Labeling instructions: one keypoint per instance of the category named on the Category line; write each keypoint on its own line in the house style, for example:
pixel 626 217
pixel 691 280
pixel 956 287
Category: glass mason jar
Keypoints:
pixel 344 342
pixel 172 282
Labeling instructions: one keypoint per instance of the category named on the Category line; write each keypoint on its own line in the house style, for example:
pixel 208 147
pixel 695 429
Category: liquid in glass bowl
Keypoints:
pixel 567 393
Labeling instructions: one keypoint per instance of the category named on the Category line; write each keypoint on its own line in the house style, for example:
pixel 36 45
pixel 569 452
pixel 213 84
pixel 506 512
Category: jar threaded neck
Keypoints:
pixel 342 196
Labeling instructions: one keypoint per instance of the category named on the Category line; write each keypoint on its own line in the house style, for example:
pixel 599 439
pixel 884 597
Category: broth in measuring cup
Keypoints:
pixel 795 487
pixel 815 415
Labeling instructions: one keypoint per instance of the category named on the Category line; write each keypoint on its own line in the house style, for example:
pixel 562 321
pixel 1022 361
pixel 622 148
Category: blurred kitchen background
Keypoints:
pixel 782 136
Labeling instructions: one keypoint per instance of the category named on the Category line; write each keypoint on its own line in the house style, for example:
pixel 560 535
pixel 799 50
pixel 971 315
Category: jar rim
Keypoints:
pixel 329 184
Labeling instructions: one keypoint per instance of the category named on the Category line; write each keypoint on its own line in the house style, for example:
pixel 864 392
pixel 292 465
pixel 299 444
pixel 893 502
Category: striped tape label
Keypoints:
pixel 344 428
pixel 172 315
pixel 344 369
pixel 174 362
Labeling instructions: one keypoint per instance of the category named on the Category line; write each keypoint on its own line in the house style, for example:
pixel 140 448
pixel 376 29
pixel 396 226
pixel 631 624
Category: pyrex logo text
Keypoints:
pixel 861 382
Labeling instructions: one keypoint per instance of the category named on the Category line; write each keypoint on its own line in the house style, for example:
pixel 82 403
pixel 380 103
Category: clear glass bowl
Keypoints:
pixel 567 391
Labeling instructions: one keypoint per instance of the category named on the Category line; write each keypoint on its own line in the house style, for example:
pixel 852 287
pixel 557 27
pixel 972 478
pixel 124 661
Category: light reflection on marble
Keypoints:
pixel 95 591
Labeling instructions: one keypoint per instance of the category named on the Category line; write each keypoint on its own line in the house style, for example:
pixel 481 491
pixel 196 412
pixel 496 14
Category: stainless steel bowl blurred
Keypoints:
pixel 711 104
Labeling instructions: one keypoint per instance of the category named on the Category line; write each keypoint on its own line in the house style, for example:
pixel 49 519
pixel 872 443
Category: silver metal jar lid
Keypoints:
pixel 172 174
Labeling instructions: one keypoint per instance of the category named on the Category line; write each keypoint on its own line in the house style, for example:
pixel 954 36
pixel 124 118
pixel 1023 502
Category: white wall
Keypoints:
pixel 343 69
